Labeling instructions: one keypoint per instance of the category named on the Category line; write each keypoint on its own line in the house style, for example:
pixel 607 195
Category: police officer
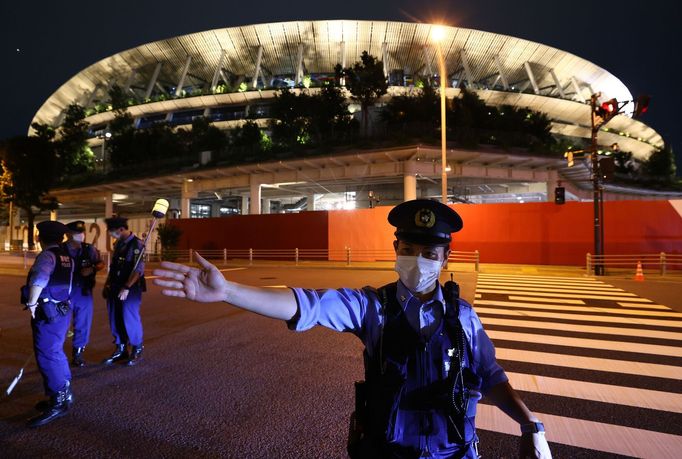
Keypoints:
pixel 47 297
pixel 428 360
pixel 87 263
pixel 123 292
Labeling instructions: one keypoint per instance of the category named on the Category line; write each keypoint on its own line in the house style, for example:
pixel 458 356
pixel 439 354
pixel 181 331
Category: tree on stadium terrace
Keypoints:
pixel 660 166
pixel 366 82
pixel 122 129
pixel 74 154
pixel 24 184
pixel 414 116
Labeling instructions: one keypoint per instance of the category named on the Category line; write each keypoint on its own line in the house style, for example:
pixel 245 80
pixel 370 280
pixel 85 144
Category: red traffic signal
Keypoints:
pixel 607 110
pixel 641 105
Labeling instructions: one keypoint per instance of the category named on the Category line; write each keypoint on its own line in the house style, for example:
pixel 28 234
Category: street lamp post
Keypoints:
pixel 437 36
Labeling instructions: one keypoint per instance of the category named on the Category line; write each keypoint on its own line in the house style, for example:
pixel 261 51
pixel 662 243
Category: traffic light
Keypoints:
pixel 641 105
pixel 559 195
pixel 607 110
pixel 607 167
pixel 569 158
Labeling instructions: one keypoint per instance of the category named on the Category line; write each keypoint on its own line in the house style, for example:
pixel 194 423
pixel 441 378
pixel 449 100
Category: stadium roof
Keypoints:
pixel 483 59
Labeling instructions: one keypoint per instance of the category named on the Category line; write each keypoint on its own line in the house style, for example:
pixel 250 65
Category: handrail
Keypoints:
pixel 347 255
pixel 662 261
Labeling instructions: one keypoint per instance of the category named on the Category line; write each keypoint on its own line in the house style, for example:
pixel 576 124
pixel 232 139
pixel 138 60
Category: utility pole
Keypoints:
pixel 597 190
pixel 600 114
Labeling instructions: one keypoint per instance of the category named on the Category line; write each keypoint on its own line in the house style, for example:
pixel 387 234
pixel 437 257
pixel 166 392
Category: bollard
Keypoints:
pixel 478 260
pixel 250 257
pixel 663 266
pixel 190 256
pixel 224 256
pixel 347 256
pixel 108 261
pixel 25 260
pixel 588 263
pixel 296 256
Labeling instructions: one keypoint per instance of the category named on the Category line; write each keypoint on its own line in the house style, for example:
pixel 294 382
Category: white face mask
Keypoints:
pixel 115 234
pixel 78 237
pixel 419 274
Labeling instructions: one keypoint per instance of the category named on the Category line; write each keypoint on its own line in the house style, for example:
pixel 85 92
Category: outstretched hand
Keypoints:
pixel 534 446
pixel 205 284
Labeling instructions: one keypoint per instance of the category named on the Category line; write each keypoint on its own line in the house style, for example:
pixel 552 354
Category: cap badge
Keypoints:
pixel 425 218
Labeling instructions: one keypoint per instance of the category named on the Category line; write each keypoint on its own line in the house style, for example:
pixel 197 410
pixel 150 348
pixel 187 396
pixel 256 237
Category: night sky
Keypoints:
pixel 46 43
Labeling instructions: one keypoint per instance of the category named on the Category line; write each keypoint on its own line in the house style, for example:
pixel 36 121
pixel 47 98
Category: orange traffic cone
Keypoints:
pixel 639 274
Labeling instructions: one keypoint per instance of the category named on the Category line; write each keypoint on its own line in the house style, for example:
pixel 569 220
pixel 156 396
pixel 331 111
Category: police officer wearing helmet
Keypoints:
pixel 87 263
pixel 46 295
pixel 428 360
pixel 123 292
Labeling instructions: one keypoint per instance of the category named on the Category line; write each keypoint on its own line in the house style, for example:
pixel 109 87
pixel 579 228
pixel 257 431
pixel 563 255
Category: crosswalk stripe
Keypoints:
pixel 627 441
pixel 618 346
pixel 558 289
pixel 553 300
pixel 622 331
pixel 646 306
pixel 590 363
pixel 605 393
pixel 522 309
pixel 538 278
pixel 545 282
pixel 533 285
pixel 624 296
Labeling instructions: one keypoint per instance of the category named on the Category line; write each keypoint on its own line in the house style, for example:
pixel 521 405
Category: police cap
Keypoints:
pixel 116 222
pixel 77 226
pixel 423 221
pixel 52 230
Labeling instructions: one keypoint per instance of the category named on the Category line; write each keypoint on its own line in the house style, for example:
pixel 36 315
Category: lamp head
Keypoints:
pixel 160 208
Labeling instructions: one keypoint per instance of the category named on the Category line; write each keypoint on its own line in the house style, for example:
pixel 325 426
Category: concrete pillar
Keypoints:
pixel 254 204
pixel 552 183
pixel 53 215
pixel 266 206
pixel 215 209
pixel 185 197
pixel 409 182
pixel 245 204
pixel 108 205
pixel 310 202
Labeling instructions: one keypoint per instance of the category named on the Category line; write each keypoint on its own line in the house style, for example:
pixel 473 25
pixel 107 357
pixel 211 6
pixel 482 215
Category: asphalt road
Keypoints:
pixel 215 382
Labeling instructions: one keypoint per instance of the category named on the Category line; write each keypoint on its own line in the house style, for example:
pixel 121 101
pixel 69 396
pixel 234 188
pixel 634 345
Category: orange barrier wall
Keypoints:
pixel 533 233
pixel 307 230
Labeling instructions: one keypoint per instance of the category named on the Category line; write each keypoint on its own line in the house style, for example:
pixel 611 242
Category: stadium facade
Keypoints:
pixel 230 74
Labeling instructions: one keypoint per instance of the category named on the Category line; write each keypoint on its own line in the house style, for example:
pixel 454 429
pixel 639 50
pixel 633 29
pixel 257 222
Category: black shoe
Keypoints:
pixel 77 357
pixel 45 404
pixel 135 355
pixel 57 407
pixel 120 353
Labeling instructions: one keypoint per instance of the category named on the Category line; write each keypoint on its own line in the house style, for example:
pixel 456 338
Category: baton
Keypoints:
pixel 17 378
pixel 158 211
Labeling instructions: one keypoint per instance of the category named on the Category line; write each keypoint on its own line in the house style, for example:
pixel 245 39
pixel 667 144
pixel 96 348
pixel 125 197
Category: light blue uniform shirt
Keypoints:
pixel 43 267
pixel 358 311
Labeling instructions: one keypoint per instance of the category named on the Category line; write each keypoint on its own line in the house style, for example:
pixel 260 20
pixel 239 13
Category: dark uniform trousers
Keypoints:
pixel 48 344
pixel 124 317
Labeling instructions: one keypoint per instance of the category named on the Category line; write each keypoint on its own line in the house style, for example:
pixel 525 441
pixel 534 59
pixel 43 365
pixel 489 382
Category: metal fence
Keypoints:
pixel 661 262
pixel 347 256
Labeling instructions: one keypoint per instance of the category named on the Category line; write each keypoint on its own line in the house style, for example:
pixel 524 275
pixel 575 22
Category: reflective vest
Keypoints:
pixel 421 393
pixel 58 288
pixel 123 261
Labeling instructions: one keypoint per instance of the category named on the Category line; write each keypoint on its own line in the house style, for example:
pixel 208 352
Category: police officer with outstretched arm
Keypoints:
pixel 47 297
pixel 87 263
pixel 428 360
pixel 123 292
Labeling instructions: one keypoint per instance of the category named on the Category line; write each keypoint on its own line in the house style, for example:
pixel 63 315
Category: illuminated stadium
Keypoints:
pixel 231 74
